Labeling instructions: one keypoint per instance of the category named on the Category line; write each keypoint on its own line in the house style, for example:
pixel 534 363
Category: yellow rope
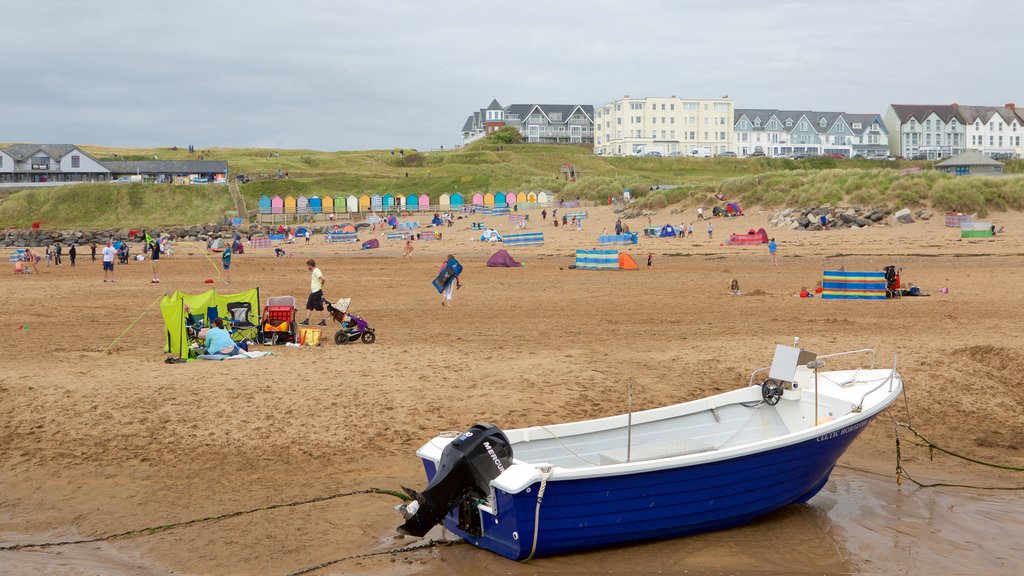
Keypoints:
pixel 130 326
pixel 212 263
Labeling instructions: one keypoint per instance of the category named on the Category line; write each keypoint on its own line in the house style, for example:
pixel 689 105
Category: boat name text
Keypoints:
pixel 841 432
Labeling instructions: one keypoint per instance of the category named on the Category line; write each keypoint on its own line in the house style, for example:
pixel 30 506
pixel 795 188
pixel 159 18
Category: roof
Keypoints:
pixel 919 112
pixel 968 158
pixel 985 113
pixel 765 114
pixel 25 151
pixel 494 105
pixel 167 166
pixel 468 126
pixel 566 110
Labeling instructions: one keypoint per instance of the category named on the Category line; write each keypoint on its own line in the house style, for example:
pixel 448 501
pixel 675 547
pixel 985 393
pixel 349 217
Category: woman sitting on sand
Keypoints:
pixel 734 288
pixel 218 340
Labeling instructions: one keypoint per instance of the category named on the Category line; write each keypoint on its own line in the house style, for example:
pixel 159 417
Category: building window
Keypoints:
pixel 41 163
pixel 689 105
pixel 789 122
pixel 636 105
pixel 672 134
pixel 662 134
pixel 671 106
pixel 76 161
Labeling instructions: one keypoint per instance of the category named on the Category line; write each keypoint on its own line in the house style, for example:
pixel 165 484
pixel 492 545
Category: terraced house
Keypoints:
pixel 930 132
pixel 538 123
pixel 779 133
pixel 662 126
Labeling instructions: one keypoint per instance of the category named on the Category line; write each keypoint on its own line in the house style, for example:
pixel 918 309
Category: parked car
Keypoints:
pixel 836 155
pixel 653 154
pixel 756 153
pixel 726 154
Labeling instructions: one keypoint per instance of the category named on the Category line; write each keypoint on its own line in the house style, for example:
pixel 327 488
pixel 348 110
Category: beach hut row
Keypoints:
pixel 376 202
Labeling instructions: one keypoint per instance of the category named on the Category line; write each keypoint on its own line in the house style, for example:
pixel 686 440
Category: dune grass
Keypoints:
pixel 480 167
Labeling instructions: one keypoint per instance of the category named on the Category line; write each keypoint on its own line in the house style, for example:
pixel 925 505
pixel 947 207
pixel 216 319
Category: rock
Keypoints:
pixel 847 218
pixel 891 220
pixel 876 216
pixel 803 222
pixel 926 215
pixel 795 225
pixel 823 211
pixel 905 219
pixel 903 212
pixel 862 222
pixel 814 226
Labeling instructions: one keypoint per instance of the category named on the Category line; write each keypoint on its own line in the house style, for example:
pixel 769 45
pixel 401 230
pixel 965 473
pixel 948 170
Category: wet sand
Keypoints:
pixel 92 446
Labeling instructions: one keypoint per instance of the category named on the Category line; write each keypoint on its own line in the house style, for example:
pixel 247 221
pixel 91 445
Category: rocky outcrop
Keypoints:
pixel 809 218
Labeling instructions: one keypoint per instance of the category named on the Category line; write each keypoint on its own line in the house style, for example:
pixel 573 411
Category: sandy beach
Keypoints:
pixel 93 445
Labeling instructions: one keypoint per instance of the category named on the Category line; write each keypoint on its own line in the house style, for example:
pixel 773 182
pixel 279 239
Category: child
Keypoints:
pixel 650 259
pixel 734 288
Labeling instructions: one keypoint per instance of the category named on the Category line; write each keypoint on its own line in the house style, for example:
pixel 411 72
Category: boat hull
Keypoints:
pixel 587 513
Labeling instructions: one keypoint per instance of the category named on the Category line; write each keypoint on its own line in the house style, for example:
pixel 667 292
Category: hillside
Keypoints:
pixel 481 167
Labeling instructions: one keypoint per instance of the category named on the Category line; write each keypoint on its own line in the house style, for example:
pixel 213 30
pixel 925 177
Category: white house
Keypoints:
pixel 37 163
pixel 668 126
pixel 933 132
pixel 793 132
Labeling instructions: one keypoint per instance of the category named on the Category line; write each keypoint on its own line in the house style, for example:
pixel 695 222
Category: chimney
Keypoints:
pixel 955 106
pixel 1011 106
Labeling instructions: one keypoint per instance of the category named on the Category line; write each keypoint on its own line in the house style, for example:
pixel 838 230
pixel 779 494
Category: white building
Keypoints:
pixel 668 126
pixel 791 132
pixel 933 132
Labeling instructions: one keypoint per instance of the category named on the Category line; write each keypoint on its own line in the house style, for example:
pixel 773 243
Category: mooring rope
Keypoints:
pixel 901 471
pixel 156 529
pixel 545 473
pixel 125 331
pixel 409 548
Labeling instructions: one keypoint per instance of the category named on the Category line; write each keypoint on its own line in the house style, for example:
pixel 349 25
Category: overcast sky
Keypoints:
pixel 339 75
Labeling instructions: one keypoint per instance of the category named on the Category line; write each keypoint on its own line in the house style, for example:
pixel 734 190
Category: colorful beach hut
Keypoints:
pixel 489 199
pixel 388 200
pixel 543 197
pixel 838 285
pixel 531 197
pixel 316 205
pixel 289 204
pixel 302 205
pixel 327 204
pixel 364 203
pixel 424 202
pixel 412 202
pixel 264 204
pixel 499 199
pixel 276 205
pixel 521 197
pixel 376 203
pixel 351 204
pixel 444 201
pixel 457 201
pixel 478 199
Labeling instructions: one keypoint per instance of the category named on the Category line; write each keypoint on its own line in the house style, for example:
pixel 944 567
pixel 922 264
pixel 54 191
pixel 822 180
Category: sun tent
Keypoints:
pixel 667 231
pixel 718 211
pixel 525 239
pixel 751 238
pixel 617 239
pixel 349 228
pixel 300 232
pixel 436 221
pixel 392 221
pixel 179 308
pixel 597 259
pixel 490 235
pixel 216 245
pixel 733 209
pixel 502 259
pixel 626 262
pixel 371 243
pixel 976 230
pixel 853 285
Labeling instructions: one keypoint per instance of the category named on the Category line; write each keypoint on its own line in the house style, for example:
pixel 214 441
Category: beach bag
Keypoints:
pixel 309 336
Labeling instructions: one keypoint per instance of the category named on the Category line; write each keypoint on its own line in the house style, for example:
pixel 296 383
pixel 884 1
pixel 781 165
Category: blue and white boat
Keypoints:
pixel 703 465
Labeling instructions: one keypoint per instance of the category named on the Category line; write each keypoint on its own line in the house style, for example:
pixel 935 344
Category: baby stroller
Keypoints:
pixel 352 327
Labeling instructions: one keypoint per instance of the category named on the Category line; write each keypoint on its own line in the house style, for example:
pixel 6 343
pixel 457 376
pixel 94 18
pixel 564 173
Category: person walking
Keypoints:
pixel 307 235
pixel 49 255
pixel 57 248
pixel 72 254
pixel 316 294
pixel 773 250
pixel 453 284
pixel 225 260
pixel 710 230
pixel 408 249
pixel 154 257
pixel 109 252
pixel 92 250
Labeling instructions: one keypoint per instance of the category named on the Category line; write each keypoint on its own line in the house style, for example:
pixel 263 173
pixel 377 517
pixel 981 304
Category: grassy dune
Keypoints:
pixel 480 167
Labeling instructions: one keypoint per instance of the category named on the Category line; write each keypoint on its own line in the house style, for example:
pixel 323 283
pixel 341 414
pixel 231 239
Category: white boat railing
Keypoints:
pixel 890 379
pixel 874 358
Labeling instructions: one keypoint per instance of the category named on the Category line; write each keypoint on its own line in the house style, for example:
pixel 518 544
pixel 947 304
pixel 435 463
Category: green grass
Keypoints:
pixel 479 167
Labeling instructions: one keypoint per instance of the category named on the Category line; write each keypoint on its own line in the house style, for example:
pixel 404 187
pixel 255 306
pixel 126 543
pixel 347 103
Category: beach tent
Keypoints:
pixel 265 205
pixel 300 232
pixel 617 239
pixel 436 221
pixel 626 262
pixel 853 285
pixel 216 245
pixel 667 231
pixel 348 229
pixel 179 307
pixel 751 238
pixel 733 209
pixel 490 235
pixel 392 221
pixel 597 259
pixel 371 243
pixel 478 199
pixel 524 239
pixel 976 230
pixel 276 205
pixel 718 211
pixel 502 259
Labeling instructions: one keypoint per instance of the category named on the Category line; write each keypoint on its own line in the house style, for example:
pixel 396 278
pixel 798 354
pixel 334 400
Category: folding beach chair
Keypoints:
pixel 241 327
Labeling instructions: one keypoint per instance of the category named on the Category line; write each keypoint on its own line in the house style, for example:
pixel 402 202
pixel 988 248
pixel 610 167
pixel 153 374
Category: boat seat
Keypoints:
pixel 655 451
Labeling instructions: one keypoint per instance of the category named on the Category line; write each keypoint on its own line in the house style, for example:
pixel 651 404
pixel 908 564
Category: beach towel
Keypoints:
pixel 240 355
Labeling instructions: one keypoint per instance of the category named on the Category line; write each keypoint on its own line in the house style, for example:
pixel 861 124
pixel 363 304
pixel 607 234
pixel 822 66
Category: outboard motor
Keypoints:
pixel 467 466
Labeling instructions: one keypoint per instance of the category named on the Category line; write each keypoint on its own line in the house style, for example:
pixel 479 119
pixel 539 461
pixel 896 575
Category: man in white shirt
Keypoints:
pixel 109 252
pixel 316 294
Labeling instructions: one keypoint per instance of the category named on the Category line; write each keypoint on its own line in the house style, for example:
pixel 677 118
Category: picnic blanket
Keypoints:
pixel 240 355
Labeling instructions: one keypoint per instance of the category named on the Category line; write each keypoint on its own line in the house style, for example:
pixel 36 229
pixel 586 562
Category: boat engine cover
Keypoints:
pixel 467 466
